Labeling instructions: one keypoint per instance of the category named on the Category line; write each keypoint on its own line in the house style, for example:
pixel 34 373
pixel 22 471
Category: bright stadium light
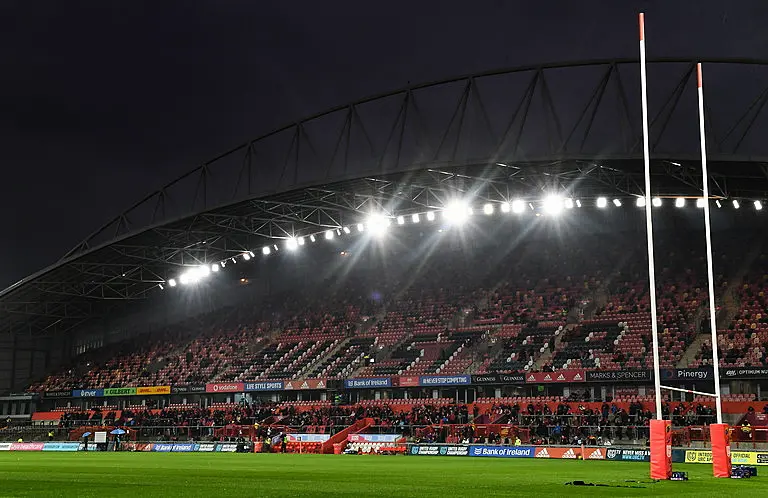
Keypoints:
pixel 312 238
pixel 214 268
pixel 292 244
pixel 700 202
pixel 568 203
pixel 505 207
pixel 360 227
pixel 328 234
pixel 401 220
pixel 518 206
pixel 347 230
pixel 717 203
pixel 246 256
pixel 184 278
pixel 266 250
pixel 736 204
pixel 172 282
pixel 680 202
pixel 378 223
pixel 553 204
pixel 204 271
pixel 656 202
pixel 415 218
pixel 758 206
pixel 617 203
pixel 431 216
pixel 640 202
pixel 602 202
pixel 578 203
pixel 300 241
pixel 488 208
pixel 456 212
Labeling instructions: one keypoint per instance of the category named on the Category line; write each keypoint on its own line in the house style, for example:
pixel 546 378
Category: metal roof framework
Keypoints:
pixel 519 133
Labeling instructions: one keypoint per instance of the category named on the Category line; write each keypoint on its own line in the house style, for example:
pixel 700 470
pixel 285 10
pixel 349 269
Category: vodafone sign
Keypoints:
pixel 226 387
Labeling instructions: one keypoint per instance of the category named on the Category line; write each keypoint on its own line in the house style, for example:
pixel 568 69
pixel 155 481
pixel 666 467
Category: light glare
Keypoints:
pixel 602 202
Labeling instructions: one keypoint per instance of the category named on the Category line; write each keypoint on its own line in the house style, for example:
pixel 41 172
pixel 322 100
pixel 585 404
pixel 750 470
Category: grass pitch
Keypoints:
pixel 222 475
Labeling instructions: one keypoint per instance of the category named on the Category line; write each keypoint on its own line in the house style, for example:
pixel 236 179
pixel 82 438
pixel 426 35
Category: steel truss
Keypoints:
pixel 514 133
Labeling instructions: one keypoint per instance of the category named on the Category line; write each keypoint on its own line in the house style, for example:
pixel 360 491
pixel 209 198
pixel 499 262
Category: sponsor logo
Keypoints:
pixel 229 387
pixel 120 391
pixel 440 380
pixel 57 446
pixel 435 450
pixel 543 453
pixel 227 447
pixel 569 454
pixel 365 383
pixel 598 376
pixel 596 455
pixel 502 451
pixel 206 447
pixel 687 374
pixel 512 379
pixel 57 394
pixel 264 386
pixel 153 390
pixel 364 438
pixel 88 393
pixel 27 446
pixel 747 373
pixel 578 376
pixel 5 446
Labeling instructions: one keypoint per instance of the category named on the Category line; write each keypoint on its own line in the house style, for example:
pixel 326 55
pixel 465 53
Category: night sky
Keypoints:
pixel 102 102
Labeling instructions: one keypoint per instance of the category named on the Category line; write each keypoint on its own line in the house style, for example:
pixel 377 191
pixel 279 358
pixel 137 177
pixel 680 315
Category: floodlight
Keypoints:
pixel 568 203
pixel 203 271
pixel 505 207
pixel 346 230
pixel 553 204
pixel 360 227
pixel 617 203
pixel 488 209
pixel 680 202
pixel 656 202
pixel 456 212
pixel 328 234
pixel 758 205
pixel 312 238
pixel 640 202
pixel 266 250
pixel 700 202
pixel 300 241
pixel 292 244
pixel 431 216
pixel 602 202
pixel 717 203
pixel 246 256
pixel 401 220
pixel 172 282
pixel 415 217
pixel 518 206
pixel 378 223
pixel 214 267
pixel 735 204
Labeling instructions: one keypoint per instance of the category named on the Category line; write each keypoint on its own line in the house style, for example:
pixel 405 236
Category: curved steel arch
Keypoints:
pixel 504 133
pixel 473 120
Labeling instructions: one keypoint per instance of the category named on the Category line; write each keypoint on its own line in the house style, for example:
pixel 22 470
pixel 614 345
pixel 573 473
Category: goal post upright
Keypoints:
pixel 721 454
pixel 660 429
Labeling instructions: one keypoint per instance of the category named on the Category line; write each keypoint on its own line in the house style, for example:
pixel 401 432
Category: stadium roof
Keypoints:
pixel 523 133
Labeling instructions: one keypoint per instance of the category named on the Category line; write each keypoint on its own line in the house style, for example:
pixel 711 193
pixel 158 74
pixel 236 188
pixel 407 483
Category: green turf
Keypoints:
pixel 223 475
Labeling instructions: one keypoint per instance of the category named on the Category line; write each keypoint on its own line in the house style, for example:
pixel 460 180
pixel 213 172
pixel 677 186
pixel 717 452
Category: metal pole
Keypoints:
pixel 708 231
pixel 649 222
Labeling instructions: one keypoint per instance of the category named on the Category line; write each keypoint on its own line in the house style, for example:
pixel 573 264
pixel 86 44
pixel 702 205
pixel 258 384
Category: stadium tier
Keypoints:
pixel 514 318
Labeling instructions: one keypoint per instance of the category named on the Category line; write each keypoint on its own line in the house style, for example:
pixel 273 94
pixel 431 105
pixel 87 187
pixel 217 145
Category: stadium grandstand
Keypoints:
pixel 427 265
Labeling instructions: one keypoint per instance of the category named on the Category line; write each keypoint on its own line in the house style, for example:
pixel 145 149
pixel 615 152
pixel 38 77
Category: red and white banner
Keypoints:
pixel 297 385
pixel 226 387
pixel 409 381
pixel 555 377
pixel 550 452
pixel 27 446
